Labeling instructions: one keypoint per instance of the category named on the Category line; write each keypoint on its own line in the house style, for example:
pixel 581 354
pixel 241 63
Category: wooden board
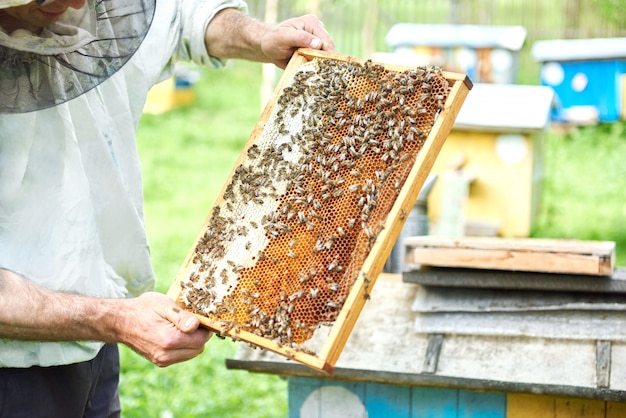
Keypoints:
pixel 518 280
pixel 517 254
pixel 249 207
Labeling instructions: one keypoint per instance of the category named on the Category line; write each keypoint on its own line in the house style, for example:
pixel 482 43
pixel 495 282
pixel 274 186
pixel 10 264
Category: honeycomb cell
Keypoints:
pixel 304 207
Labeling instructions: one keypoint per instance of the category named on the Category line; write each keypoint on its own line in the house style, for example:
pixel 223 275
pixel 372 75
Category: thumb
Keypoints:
pixel 315 43
pixel 183 320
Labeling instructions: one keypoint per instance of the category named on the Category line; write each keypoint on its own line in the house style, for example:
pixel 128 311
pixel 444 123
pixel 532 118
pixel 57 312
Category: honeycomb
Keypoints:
pixel 309 197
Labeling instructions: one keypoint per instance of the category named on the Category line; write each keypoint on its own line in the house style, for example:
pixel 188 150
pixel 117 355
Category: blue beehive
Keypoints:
pixel 586 75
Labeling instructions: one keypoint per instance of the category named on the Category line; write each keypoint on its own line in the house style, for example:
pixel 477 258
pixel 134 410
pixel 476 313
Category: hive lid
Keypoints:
pixel 315 202
pixel 579 49
pixel 442 35
pixel 506 108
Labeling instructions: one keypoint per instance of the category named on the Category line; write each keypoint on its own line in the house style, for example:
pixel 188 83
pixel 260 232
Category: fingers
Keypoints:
pixel 184 343
pixel 280 41
pixel 309 33
pixel 183 320
pixel 320 38
pixel 189 324
pixel 167 357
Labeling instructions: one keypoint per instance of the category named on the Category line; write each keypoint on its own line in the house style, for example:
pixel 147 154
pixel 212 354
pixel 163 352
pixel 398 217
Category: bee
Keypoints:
pixel 318 246
pixel 337 192
pixel 295 296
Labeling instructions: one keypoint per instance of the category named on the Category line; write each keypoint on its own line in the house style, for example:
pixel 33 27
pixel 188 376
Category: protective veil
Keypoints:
pixel 71 56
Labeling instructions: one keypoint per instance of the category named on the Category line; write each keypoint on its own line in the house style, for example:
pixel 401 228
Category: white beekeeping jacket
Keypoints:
pixel 71 209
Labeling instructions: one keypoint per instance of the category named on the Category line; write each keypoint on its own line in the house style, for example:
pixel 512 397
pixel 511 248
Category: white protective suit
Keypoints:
pixel 71 211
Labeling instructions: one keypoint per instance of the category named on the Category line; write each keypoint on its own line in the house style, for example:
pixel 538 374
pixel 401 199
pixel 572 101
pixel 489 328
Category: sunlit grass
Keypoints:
pixel 583 190
pixel 187 155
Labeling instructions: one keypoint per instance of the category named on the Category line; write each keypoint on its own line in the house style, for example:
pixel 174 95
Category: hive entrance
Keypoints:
pixel 308 203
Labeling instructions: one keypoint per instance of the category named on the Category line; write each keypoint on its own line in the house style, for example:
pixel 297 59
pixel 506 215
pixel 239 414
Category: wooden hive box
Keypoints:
pixel 315 202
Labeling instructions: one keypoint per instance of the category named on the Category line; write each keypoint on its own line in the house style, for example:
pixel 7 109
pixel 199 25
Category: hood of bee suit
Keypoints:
pixel 70 56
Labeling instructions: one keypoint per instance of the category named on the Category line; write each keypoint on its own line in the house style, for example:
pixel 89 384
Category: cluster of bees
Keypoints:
pixel 301 211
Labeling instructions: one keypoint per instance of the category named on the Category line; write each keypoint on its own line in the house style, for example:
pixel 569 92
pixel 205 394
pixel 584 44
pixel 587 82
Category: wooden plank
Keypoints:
pixel 603 364
pixel 518 280
pixel 315 398
pixel 299 389
pixel 575 326
pixel 434 402
pixel 579 408
pixel 482 404
pixel 335 399
pixel 521 254
pixel 524 405
pixel 385 401
pixel 616 409
pixel 433 351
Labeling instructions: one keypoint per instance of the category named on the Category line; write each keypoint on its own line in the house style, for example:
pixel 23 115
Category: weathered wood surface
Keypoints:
pixel 385 348
pixel 503 279
pixel 517 254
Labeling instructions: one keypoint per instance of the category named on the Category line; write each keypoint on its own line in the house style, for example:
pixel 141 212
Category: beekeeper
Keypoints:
pixel 75 270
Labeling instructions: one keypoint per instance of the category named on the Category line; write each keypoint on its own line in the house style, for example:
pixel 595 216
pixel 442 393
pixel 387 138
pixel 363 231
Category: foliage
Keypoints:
pixel 585 176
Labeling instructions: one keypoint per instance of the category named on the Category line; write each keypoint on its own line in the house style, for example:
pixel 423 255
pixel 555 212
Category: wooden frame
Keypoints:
pixel 341 328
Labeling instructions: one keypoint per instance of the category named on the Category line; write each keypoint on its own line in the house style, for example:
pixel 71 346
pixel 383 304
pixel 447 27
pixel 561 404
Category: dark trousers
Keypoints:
pixel 87 389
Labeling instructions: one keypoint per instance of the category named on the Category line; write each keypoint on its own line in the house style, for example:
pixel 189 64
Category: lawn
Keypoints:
pixel 187 155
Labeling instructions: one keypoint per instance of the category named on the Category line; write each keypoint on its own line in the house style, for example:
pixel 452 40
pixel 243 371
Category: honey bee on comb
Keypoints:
pixel 308 199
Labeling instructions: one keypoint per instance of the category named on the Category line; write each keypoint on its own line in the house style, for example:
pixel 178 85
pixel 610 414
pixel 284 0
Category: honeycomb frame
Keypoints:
pixel 275 264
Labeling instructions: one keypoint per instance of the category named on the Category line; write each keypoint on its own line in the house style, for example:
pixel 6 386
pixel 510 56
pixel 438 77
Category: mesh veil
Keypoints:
pixel 70 56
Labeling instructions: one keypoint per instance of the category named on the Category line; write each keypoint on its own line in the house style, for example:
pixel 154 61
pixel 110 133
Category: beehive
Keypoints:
pixel 315 202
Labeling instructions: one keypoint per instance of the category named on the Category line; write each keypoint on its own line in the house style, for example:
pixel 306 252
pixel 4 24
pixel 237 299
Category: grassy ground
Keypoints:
pixel 583 189
pixel 187 155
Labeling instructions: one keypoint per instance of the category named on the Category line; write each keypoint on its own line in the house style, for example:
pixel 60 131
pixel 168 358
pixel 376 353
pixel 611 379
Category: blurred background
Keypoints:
pixel 196 124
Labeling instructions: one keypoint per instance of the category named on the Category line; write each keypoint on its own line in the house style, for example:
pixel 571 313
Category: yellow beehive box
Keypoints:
pixel 496 142
pixel 167 95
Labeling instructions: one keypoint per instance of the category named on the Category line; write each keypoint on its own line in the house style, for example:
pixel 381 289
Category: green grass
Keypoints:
pixel 187 155
pixel 583 189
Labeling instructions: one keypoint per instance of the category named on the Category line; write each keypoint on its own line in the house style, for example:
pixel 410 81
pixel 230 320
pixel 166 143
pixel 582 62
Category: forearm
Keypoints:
pixel 233 34
pixel 30 312
pixel 151 324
